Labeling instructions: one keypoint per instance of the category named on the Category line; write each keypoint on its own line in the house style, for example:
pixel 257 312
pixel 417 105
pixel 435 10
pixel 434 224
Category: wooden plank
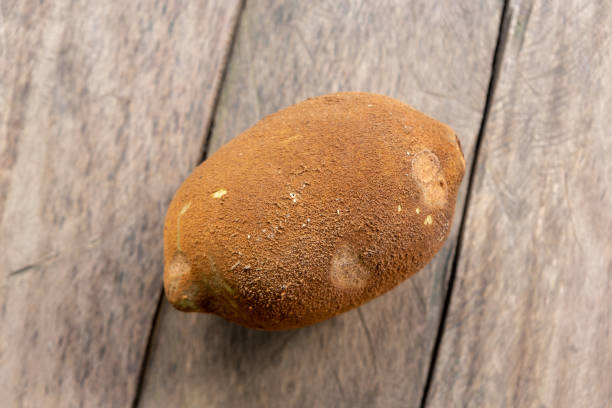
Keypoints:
pixel 285 52
pixel 103 111
pixel 530 319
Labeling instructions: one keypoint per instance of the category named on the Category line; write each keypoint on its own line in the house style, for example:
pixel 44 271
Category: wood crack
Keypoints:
pixel 496 64
pixel 217 92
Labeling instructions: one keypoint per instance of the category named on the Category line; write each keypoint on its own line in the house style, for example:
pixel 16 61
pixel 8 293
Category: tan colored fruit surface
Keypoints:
pixel 313 211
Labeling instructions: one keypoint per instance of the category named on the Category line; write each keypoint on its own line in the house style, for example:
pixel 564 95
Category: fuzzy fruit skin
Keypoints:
pixel 311 212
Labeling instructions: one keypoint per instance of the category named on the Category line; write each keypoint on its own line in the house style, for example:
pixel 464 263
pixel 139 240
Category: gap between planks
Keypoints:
pixel 204 149
pixel 495 67
pixel 228 57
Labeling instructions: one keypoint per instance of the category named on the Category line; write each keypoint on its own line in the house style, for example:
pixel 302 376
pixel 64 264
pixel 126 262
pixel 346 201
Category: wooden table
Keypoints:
pixel 105 107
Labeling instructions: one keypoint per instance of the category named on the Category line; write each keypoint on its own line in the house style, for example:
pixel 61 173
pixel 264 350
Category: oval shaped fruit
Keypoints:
pixel 313 211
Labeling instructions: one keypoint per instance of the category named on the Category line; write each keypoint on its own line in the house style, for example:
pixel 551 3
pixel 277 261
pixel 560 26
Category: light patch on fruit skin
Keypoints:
pixel 418 210
pixel 175 279
pixel 425 166
pixel 186 289
pixel 185 208
pixel 428 220
pixel 178 224
pixel 399 208
pixel 346 270
pixel 426 171
pixel 219 193
pixel 291 138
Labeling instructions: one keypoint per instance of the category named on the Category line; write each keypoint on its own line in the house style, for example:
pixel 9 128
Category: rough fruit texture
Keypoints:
pixel 313 211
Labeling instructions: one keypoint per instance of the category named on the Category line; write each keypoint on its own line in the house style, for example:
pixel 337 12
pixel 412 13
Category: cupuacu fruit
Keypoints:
pixel 313 211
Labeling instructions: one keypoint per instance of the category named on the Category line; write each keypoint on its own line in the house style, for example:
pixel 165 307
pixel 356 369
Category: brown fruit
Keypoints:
pixel 313 211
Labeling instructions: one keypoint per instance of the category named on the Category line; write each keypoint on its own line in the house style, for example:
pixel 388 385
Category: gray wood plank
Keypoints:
pixel 435 56
pixel 530 319
pixel 104 107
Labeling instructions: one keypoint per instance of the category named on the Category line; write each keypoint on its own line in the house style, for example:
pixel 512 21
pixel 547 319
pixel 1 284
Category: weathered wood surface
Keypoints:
pixel 104 108
pixel 435 56
pixel 530 320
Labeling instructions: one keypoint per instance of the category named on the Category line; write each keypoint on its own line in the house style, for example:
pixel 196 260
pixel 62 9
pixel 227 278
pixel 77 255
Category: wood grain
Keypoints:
pixel 435 56
pixel 104 107
pixel 530 320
